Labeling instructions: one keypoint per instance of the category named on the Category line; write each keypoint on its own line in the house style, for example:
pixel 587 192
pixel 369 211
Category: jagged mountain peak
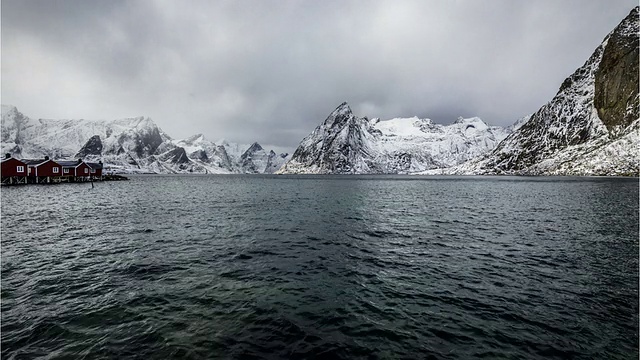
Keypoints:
pixel 346 144
pixel 341 109
pixel 7 108
pixel 591 125
pixel 629 25
pixel 339 116
pixel 134 144
pixel 12 114
pixel 254 147
pixel 256 160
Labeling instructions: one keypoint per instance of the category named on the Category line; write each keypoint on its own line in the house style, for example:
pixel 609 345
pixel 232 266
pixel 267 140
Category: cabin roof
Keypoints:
pixel 11 158
pixel 95 165
pixel 69 163
pixel 35 162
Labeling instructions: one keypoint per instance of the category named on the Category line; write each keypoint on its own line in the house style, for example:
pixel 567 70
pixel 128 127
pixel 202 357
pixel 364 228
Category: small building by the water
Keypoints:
pixel 46 171
pixel 13 171
pixel 75 170
pixel 96 170
pixel 43 171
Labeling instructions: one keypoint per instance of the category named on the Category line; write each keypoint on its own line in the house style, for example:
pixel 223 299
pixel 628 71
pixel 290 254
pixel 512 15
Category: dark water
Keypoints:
pixel 322 267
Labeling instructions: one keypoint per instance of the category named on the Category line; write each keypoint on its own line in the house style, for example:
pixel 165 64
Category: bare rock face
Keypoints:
pixel 92 147
pixel 125 145
pixel 176 156
pixel 591 125
pixel 254 159
pixel 337 146
pixel 616 83
pixel 348 144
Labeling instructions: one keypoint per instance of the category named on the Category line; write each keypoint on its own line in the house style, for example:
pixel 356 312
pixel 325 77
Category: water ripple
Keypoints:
pixel 321 267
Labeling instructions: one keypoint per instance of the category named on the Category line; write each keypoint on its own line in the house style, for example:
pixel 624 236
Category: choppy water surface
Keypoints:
pixel 321 267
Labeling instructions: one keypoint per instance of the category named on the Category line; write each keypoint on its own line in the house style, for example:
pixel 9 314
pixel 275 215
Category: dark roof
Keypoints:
pixel 34 161
pixel 11 158
pixel 69 163
pixel 95 165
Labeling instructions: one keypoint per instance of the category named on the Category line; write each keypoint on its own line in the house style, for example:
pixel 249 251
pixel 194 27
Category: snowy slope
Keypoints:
pixel 122 141
pixel 346 144
pixel 124 145
pixel 256 160
pixel 589 128
pixel 206 153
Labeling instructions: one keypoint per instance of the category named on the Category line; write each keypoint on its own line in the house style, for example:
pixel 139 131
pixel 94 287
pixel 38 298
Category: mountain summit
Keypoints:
pixel 346 144
pixel 591 125
pixel 128 145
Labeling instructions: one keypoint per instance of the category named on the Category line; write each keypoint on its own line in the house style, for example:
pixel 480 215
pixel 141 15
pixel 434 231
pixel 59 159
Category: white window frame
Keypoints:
pixel 86 171
pixel 65 170
pixel 93 171
pixel 20 168
pixel 56 169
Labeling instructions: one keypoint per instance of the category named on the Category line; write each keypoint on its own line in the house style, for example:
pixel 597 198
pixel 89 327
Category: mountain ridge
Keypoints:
pixel 346 144
pixel 568 136
pixel 128 145
pixel 590 127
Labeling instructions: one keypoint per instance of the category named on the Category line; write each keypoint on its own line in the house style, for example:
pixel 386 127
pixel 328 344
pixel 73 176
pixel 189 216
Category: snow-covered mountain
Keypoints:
pixel 129 145
pixel 347 144
pixel 590 127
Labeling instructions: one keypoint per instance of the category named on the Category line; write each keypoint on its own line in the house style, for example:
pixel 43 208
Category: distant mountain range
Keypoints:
pixel 590 127
pixel 130 145
pixel 347 144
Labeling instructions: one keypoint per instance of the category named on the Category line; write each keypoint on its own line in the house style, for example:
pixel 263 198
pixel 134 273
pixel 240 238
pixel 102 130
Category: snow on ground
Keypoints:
pixel 130 145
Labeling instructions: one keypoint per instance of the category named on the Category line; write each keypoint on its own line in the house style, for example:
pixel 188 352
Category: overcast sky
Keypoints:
pixel 270 71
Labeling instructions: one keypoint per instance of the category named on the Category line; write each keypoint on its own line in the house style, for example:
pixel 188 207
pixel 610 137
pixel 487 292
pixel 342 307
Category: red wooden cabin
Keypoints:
pixel 75 170
pixel 96 169
pixel 13 171
pixel 83 170
pixel 43 171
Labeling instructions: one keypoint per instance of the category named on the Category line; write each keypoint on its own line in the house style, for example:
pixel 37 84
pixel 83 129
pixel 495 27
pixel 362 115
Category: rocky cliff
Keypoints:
pixel 346 144
pixel 591 125
pixel 128 145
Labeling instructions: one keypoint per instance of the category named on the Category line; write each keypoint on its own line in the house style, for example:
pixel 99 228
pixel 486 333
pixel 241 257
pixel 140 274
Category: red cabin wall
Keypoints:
pixel 46 169
pixel 81 168
pixel 9 168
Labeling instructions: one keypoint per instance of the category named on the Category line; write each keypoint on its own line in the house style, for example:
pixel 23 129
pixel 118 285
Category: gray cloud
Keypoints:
pixel 271 71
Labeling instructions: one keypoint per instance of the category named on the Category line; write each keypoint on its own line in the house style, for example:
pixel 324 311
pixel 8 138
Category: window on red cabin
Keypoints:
pixel 56 170
pixel 66 171
pixel 20 168
pixel 86 170
pixel 93 171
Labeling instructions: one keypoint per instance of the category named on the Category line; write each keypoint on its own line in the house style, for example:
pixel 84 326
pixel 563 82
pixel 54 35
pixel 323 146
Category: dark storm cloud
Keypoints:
pixel 271 71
